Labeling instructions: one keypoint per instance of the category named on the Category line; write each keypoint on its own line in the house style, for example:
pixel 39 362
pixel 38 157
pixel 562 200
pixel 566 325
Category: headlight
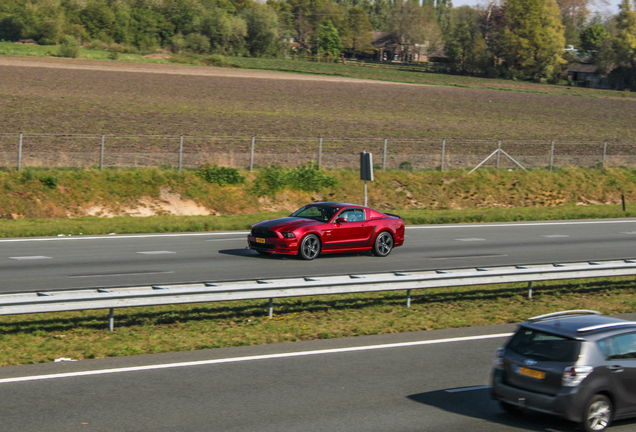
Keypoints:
pixel 288 235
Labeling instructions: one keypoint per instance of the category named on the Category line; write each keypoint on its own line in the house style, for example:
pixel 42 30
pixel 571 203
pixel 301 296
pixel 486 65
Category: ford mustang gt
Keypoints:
pixel 328 227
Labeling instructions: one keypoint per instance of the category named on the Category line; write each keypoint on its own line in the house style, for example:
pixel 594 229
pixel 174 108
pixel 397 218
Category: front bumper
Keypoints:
pixel 567 403
pixel 273 245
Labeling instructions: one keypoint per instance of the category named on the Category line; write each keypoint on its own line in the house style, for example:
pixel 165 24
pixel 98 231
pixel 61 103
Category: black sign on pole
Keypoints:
pixel 366 166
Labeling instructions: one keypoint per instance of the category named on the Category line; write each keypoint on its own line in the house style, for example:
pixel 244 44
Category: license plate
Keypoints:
pixel 531 373
pixel 260 240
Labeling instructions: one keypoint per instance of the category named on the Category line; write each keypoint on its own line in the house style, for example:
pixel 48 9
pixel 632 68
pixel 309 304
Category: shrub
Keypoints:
pixel 217 60
pixel 220 175
pixel 49 180
pixel 406 166
pixel 69 47
pixel 308 178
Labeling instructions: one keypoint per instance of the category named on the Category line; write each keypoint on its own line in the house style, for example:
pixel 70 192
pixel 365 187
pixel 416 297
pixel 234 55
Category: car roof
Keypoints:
pixel 578 325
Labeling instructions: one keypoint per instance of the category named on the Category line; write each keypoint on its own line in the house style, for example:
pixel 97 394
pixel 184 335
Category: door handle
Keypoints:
pixel 616 369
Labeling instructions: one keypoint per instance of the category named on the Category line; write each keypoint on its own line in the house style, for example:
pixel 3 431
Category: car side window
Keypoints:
pixel 619 347
pixel 354 215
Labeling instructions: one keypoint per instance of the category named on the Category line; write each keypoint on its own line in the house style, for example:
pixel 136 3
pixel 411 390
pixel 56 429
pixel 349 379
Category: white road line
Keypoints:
pixel 554 235
pixel 471 239
pixel 156 252
pixel 464 389
pixel 514 224
pixel 251 358
pixel 123 236
pixel 223 240
pixel 629 232
pixel 34 257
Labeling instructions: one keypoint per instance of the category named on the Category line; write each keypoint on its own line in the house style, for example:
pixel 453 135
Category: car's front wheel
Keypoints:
pixel 309 247
pixel 383 244
pixel 598 413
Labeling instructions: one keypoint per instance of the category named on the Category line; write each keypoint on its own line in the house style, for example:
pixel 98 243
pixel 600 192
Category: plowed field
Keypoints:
pixel 63 96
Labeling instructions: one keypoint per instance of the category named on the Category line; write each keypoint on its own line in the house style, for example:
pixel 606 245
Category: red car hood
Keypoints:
pixel 289 223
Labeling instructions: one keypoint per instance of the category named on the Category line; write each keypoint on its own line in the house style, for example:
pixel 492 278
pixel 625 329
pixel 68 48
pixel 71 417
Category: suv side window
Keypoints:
pixel 619 347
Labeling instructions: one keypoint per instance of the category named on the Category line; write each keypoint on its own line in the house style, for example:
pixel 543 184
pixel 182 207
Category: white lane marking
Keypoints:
pixel 120 274
pixel 34 257
pixel 156 252
pixel 464 389
pixel 251 358
pixel 471 239
pixel 629 232
pixel 222 240
pixel 122 236
pixel 554 235
pixel 513 224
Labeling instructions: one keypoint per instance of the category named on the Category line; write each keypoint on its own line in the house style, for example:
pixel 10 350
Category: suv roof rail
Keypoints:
pixel 563 313
pixel 606 326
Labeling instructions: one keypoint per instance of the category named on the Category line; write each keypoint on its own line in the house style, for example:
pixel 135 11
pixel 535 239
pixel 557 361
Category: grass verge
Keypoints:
pixel 42 338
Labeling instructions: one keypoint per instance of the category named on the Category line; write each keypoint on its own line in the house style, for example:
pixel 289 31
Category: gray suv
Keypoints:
pixel 580 365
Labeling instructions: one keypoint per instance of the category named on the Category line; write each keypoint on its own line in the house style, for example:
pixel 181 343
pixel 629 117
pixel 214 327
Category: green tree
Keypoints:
pixel 262 31
pixel 534 39
pixel 98 19
pixel 624 45
pixel 327 40
pixel 592 37
pixel 465 46
pixel 358 35
pixel 413 25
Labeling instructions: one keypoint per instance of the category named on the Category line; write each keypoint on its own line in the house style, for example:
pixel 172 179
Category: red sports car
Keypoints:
pixel 328 227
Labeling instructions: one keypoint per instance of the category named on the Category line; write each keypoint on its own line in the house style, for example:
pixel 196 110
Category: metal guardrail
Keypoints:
pixel 157 295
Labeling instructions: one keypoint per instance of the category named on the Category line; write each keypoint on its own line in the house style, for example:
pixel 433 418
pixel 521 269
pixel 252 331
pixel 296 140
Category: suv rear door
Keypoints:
pixel 535 360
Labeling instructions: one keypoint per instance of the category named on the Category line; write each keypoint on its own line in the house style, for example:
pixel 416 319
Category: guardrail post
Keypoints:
pixel 530 289
pixel 20 152
pixel 180 152
pixel 271 308
pixel 111 319
pixel 252 154
pixel 101 154
pixel 408 298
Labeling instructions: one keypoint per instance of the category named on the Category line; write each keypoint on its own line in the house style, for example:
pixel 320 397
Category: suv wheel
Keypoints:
pixel 598 413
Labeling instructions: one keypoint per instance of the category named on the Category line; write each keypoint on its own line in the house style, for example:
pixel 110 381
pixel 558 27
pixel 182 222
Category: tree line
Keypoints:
pixel 518 39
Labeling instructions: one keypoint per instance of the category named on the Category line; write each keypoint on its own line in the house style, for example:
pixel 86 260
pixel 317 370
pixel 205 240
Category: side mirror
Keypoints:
pixel 340 220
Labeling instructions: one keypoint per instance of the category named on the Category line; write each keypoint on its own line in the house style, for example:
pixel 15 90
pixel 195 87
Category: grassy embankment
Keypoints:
pixel 443 197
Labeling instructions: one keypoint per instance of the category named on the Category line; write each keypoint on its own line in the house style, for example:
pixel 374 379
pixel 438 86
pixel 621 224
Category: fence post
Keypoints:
pixel 498 153
pixel 180 152
pixel 552 156
pixel 20 152
pixel 384 157
pixel 604 153
pixel 101 154
pixel 320 153
pixel 443 155
pixel 252 154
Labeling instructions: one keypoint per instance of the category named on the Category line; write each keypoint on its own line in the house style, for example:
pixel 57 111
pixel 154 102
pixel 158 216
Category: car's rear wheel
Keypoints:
pixel 309 247
pixel 383 244
pixel 598 413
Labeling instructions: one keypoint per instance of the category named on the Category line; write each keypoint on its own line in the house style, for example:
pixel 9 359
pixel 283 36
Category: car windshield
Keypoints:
pixel 544 346
pixel 320 213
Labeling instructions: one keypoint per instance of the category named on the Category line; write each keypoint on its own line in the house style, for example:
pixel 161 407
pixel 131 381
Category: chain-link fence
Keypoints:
pixel 55 150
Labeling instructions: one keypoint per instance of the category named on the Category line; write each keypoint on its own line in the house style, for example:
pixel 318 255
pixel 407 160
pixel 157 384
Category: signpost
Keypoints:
pixel 366 171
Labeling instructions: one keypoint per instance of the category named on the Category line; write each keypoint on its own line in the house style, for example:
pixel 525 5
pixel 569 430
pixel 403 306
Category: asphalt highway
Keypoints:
pixel 420 381
pixel 66 262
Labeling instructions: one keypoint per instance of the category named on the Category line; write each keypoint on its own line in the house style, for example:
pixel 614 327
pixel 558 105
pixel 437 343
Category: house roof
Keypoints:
pixel 586 68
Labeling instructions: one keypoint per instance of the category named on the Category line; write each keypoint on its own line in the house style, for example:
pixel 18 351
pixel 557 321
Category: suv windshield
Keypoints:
pixel 544 346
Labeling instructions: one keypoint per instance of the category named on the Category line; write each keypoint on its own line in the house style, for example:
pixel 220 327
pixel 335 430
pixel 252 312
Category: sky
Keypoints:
pixel 611 6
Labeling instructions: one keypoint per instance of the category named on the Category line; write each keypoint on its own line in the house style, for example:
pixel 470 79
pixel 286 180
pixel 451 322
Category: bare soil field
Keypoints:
pixel 57 96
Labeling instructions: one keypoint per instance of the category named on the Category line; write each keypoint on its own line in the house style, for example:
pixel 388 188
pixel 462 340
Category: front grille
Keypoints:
pixel 263 233
pixel 262 245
